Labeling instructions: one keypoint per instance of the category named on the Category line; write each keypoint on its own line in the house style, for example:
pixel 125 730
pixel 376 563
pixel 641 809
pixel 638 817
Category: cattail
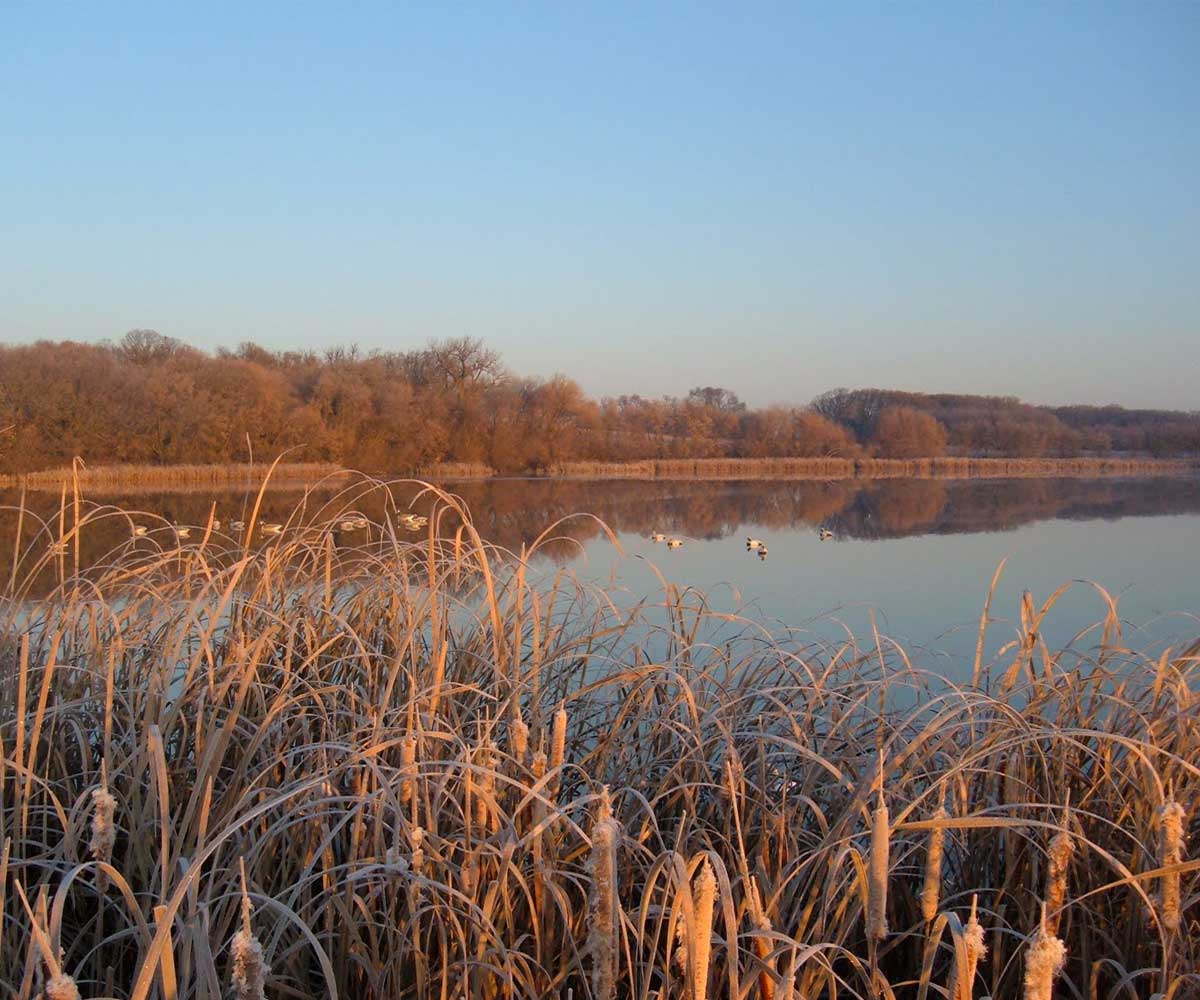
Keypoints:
pixel 520 739
pixel 418 850
pixel 1046 958
pixel 877 875
pixel 706 897
pixel 487 790
pixel 605 908
pixel 931 892
pixel 973 952
pixel 558 743
pixel 408 768
pixel 104 831
pixel 762 946
pixel 249 972
pixel 1060 851
pixel 1170 839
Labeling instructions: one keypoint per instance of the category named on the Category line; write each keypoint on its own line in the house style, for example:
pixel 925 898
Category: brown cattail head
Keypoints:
pixel 558 739
pixel 603 945
pixel 1046 958
pixel 706 897
pixel 520 739
pixel 931 891
pixel 408 768
pixel 1170 847
pixel 877 873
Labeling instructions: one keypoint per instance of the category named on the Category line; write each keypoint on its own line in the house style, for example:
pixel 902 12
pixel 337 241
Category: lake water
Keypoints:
pixel 917 556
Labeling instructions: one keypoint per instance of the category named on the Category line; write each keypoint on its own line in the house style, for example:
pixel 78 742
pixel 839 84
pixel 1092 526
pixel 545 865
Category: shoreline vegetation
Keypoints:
pixel 150 400
pixel 414 770
pixel 189 477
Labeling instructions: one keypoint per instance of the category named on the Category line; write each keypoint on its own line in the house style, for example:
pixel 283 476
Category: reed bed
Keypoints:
pixel 132 479
pixel 946 467
pixel 155 477
pixel 424 767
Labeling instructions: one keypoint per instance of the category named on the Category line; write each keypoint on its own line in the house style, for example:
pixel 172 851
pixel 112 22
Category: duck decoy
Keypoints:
pixel 674 543
pixel 753 543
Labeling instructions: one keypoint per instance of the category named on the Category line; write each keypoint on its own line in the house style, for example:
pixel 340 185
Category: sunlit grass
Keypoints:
pixel 446 773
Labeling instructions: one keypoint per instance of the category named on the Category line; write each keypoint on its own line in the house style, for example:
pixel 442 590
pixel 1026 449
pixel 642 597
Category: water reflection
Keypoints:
pixel 512 513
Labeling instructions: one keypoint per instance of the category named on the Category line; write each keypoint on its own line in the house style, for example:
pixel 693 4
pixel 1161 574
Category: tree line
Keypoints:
pixel 151 399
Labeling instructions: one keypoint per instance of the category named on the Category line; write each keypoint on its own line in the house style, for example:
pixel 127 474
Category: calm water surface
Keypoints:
pixel 917 555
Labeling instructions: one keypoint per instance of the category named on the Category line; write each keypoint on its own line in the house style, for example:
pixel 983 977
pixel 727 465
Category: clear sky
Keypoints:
pixel 996 197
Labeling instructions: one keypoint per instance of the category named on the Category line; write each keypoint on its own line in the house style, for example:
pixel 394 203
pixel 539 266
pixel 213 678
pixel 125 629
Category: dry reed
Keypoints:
pixel 347 725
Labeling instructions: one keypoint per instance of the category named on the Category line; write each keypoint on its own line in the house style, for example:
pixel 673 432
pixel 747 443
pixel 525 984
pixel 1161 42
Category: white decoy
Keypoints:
pixel 140 530
pixel 826 534
pixel 674 543
pixel 658 536
pixel 182 532
pixel 272 528
pixel 753 543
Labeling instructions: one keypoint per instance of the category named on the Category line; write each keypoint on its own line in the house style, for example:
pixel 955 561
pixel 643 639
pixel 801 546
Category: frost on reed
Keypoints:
pixel 349 722
pixel 1170 838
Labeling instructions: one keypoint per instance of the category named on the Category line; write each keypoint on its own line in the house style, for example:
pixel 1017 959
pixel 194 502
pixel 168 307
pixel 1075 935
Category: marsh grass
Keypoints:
pixel 428 770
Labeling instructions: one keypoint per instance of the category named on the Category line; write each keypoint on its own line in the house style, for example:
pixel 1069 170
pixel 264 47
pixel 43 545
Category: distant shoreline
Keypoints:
pixel 299 475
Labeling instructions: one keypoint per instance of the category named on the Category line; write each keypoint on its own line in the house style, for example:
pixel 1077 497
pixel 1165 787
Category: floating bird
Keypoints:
pixel 182 532
pixel 272 528
pixel 140 530
pixel 658 536
pixel 826 534
pixel 353 524
pixel 237 525
pixel 762 552
pixel 753 543
pixel 216 525
pixel 674 543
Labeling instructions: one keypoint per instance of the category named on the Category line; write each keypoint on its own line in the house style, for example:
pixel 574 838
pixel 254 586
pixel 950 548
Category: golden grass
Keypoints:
pixel 422 768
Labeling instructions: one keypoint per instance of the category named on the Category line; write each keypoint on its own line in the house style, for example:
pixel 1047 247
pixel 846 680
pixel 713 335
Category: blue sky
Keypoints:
pixel 775 198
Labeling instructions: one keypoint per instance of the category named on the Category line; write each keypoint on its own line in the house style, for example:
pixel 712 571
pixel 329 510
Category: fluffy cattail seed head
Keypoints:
pixel 1046 958
pixel 104 831
pixel 974 950
pixel 61 987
